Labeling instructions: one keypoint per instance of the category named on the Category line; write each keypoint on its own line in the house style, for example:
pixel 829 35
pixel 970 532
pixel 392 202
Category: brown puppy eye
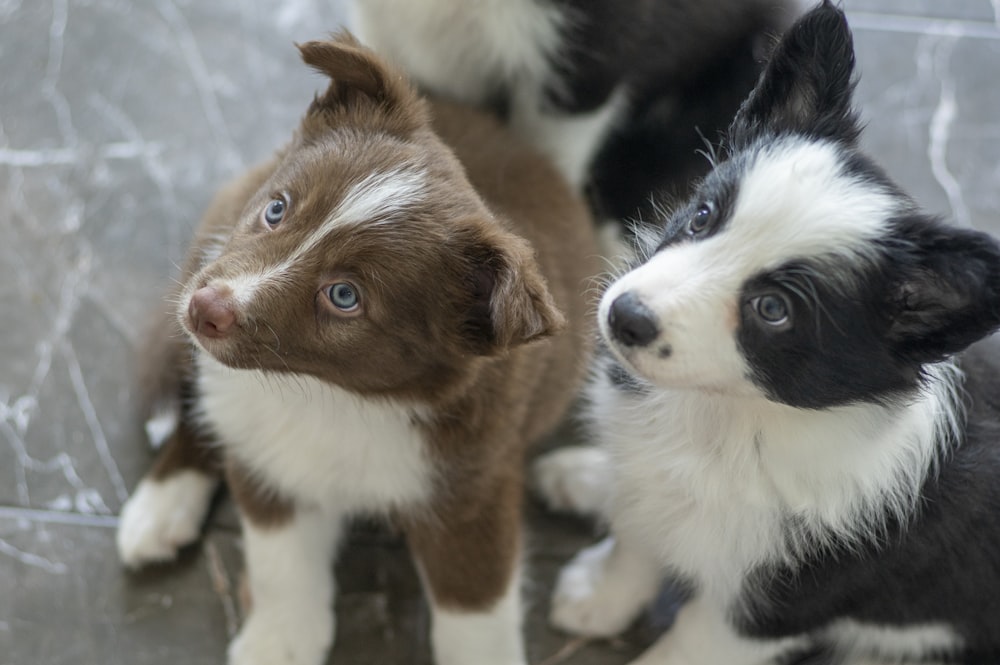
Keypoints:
pixel 275 212
pixel 343 296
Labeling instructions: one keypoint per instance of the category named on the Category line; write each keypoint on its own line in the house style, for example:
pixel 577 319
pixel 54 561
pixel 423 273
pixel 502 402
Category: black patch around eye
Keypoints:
pixel 707 212
pixel 833 349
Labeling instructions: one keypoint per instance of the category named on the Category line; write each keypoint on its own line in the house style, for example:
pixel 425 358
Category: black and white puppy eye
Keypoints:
pixel 701 219
pixel 771 308
pixel 275 211
pixel 344 297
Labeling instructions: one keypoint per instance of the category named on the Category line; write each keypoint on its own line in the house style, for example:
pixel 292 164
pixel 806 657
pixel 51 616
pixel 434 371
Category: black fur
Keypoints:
pixel 942 567
pixel 686 65
pixel 719 191
pixel 807 86
pixel 865 335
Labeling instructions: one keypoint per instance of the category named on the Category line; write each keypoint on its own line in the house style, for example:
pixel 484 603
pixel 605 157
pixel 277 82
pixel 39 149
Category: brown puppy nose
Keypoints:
pixel 211 312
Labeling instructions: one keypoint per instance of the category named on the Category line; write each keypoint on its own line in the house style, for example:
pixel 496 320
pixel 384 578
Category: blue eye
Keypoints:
pixel 343 296
pixel 772 309
pixel 275 212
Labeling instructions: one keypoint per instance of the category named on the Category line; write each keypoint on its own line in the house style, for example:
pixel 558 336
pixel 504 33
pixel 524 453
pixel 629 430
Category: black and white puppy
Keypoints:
pixel 800 404
pixel 618 92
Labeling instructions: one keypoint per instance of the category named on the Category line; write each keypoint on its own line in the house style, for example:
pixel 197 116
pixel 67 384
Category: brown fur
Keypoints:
pixel 261 505
pixel 472 301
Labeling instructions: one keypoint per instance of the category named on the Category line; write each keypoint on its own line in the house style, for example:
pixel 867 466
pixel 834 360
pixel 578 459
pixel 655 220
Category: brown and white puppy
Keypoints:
pixel 379 320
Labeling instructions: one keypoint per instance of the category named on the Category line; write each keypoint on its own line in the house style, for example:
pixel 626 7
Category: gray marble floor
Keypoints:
pixel 117 121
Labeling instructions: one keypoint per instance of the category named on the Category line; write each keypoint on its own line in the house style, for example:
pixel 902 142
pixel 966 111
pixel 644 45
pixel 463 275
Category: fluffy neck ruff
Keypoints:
pixel 741 483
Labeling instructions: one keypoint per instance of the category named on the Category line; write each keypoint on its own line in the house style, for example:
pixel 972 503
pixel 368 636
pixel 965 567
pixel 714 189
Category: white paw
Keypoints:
pixel 274 637
pixel 162 516
pixel 574 479
pixel 587 601
pixel 162 424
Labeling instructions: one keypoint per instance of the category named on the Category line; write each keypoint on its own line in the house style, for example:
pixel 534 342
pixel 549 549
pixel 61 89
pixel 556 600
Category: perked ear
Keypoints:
pixel 511 304
pixel 948 295
pixel 361 81
pixel 807 85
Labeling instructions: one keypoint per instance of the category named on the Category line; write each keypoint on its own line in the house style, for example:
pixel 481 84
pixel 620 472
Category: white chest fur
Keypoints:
pixel 314 441
pixel 707 484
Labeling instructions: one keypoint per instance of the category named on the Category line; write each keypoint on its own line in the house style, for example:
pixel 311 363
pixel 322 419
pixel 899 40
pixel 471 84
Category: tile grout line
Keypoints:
pixel 58 517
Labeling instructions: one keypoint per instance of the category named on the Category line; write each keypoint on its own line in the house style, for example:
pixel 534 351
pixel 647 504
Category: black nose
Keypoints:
pixel 631 322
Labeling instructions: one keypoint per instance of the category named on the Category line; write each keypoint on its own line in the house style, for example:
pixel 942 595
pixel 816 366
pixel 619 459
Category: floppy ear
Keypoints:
pixel 807 85
pixel 361 81
pixel 948 295
pixel 510 302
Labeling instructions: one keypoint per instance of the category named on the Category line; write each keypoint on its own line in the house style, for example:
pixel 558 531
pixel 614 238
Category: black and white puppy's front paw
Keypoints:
pixel 596 595
pixel 575 479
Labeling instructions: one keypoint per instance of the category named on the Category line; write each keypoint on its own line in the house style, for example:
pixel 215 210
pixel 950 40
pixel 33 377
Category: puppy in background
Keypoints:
pixel 620 93
pixel 379 320
pixel 799 403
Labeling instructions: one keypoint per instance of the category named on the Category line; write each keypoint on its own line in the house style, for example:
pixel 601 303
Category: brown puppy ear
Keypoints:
pixel 361 82
pixel 511 303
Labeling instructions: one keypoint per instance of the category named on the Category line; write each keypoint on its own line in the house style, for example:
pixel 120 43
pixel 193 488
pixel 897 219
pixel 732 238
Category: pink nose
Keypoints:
pixel 211 312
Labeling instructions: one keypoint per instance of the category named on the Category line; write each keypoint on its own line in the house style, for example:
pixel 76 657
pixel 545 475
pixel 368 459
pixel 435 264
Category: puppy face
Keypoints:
pixel 366 258
pixel 773 238
pixel 799 272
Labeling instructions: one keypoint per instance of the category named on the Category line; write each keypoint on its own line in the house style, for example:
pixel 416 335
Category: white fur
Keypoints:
pixel 463 49
pixel 162 516
pixel 291 587
pixel 470 51
pixel 491 637
pixel 377 196
pixel 704 481
pixel 243 287
pixel 315 442
pixel 893 643
pixel 163 422
pixel 702 635
pixel 604 588
pixel 575 479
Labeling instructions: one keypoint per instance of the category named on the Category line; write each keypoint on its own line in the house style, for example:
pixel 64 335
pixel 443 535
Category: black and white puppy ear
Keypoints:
pixel 510 300
pixel 361 82
pixel 948 293
pixel 808 84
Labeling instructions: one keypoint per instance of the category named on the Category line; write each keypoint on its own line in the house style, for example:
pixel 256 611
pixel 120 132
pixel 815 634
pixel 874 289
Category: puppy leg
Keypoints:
pixel 469 557
pixel 574 479
pixel 168 507
pixel 701 635
pixel 289 554
pixel 602 590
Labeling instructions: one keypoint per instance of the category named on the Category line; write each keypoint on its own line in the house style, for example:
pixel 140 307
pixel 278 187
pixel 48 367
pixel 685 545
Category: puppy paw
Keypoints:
pixel 162 516
pixel 574 479
pixel 274 637
pixel 588 601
